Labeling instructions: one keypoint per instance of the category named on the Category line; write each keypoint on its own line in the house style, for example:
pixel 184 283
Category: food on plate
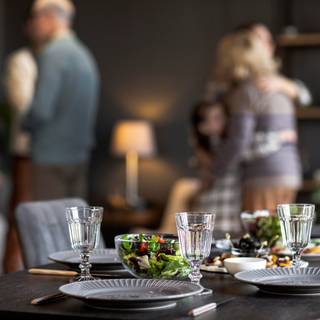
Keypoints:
pixel 249 246
pixel 249 219
pixel 248 243
pixel 314 247
pixel 279 249
pixel 217 261
pixel 152 256
pixel 312 250
pixel 261 225
pixel 273 261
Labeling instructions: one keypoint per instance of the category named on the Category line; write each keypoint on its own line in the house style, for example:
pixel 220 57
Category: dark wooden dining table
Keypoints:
pixel 18 289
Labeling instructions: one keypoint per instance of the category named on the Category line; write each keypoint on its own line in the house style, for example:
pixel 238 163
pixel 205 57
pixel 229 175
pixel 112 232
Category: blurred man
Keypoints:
pixel 19 83
pixel 62 115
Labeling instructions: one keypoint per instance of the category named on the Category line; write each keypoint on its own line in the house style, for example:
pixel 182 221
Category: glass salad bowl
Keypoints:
pixel 152 256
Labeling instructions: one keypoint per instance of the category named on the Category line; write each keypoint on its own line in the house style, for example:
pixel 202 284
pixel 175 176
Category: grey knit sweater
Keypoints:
pixel 63 112
pixel 255 111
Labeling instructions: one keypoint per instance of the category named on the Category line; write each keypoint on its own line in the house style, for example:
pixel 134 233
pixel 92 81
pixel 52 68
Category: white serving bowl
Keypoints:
pixel 235 265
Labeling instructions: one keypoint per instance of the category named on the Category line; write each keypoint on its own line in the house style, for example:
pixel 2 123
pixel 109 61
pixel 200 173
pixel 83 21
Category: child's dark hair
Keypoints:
pixel 198 116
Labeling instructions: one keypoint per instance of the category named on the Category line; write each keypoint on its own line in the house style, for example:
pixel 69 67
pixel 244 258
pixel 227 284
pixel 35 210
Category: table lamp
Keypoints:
pixel 133 139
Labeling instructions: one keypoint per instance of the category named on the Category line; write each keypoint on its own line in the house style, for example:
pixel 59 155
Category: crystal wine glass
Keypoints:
pixel 195 238
pixel 84 230
pixel 296 223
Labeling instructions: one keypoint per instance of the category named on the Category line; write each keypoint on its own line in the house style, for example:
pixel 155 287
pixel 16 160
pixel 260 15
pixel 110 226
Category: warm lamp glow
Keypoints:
pixel 133 136
pixel 133 139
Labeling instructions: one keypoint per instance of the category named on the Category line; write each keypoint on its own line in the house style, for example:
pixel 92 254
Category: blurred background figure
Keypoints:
pixel 294 89
pixel 242 61
pixel 19 80
pixel 62 114
pixel 209 123
pixel 208 127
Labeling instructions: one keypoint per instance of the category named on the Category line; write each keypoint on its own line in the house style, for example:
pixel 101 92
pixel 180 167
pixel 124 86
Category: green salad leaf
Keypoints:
pixel 153 256
pixel 268 228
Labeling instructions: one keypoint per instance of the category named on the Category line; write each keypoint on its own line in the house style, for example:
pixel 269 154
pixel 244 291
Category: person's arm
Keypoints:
pixel 240 135
pixel 19 80
pixel 304 96
pixel 243 105
pixel 47 89
pixel 266 143
pixel 294 89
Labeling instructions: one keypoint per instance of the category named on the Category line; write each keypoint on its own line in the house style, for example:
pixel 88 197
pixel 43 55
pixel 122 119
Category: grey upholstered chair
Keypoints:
pixel 43 229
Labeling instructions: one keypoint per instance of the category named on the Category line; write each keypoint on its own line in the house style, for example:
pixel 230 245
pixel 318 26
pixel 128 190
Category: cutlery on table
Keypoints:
pixel 52 272
pixel 48 298
pixel 69 273
pixel 207 307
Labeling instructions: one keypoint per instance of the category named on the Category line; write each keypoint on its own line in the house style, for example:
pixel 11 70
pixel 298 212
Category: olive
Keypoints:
pixel 248 243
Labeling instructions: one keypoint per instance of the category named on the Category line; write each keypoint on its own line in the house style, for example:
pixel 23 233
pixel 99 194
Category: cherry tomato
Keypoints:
pixel 143 247
pixel 160 240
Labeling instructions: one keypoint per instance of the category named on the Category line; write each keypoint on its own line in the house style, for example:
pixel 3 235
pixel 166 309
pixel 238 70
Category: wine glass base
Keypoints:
pixel 302 264
pixel 205 292
pixel 87 278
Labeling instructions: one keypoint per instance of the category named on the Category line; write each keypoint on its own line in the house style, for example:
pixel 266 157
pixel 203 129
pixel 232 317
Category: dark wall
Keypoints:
pixel 154 58
pixel 1 30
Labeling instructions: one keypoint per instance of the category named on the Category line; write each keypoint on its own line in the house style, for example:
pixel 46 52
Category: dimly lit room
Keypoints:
pixel 159 159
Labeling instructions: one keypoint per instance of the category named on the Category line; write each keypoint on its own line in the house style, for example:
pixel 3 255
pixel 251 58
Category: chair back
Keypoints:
pixel 43 229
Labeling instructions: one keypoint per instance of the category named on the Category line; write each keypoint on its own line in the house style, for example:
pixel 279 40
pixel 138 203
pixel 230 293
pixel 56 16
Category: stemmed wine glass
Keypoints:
pixel 195 238
pixel 84 230
pixel 296 224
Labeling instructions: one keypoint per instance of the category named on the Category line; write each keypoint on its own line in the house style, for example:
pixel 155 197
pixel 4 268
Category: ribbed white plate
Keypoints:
pixel 284 280
pixel 311 256
pixel 131 293
pixel 98 256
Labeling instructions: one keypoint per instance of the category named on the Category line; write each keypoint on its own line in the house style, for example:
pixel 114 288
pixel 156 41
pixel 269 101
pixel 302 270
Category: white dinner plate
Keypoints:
pixel 311 256
pixel 131 294
pixel 98 258
pixel 285 281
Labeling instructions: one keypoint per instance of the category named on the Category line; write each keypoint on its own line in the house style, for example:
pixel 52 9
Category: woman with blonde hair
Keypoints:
pixel 267 181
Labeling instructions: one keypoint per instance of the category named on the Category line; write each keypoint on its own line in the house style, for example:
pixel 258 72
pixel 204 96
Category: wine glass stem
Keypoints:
pixel 195 275
pixel 85 265
pixel 296 258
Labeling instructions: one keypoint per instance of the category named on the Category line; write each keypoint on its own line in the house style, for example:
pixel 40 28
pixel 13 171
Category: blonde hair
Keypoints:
pixel 241 56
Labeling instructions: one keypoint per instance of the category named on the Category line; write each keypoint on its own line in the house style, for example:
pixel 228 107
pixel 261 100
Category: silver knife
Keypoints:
pixel 207 307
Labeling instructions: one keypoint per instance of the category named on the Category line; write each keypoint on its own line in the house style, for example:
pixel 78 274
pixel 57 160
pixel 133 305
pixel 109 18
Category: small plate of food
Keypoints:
pixel 312 252
pixel 216 264
pixel 247 247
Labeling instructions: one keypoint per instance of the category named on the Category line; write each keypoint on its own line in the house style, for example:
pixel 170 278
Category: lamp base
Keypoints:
pixel 138 204
pixel 119 202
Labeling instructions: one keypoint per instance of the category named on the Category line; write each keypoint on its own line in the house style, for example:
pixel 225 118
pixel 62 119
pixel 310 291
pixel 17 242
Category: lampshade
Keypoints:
pixel 137 136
